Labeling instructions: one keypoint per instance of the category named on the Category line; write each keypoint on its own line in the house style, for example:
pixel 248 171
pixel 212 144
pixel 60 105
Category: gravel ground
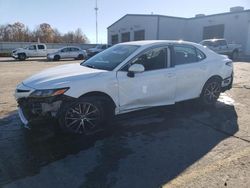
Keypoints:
pixel 183 145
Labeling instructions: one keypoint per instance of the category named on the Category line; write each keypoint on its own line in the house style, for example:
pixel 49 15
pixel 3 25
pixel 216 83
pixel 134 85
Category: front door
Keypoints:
pixel 153 87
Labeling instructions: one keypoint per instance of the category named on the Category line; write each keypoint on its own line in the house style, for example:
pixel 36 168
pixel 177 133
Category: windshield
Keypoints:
pixel 110 58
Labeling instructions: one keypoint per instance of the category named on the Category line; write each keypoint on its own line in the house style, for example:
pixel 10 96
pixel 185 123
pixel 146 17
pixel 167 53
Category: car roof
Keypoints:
pixel 155 42
pixel 70 47
pixel 212 40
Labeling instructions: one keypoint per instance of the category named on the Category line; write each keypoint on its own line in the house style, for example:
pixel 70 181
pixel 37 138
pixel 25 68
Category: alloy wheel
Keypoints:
pixel 82 118
pixel 212 92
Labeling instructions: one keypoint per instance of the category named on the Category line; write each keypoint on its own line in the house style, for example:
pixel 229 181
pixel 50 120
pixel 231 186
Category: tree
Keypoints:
pixel 18 32
pixel 79 37
pixel 69 37
pixel 45 33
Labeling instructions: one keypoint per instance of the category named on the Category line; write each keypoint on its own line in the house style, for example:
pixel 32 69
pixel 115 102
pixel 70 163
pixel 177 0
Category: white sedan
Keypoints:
pixel 124 78
pixel 68 52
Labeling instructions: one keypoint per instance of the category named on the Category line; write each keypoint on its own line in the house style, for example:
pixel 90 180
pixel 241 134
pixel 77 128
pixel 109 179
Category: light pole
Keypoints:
pixel 96 22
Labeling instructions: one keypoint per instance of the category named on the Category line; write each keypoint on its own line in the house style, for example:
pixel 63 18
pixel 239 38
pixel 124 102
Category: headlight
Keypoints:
pixel 48 92
pixel 229 63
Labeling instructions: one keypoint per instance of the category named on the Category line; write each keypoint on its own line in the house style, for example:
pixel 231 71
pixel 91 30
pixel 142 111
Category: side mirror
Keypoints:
pixel 135 68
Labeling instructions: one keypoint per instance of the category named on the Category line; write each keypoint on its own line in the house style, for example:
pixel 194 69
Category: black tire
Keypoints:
pixel 211 91
pixel 235 55
pixel 22 56
pixel 80 57
pixel 85 116
pixel 57 58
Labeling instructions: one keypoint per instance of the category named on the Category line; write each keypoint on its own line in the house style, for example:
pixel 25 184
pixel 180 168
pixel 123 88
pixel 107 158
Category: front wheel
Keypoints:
pixel 211 91
pixel 57 58
pixel 22 57
pixel 84 116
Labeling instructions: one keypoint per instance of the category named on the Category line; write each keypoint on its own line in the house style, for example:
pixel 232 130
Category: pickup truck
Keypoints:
pixel 221 46
pixel 33 50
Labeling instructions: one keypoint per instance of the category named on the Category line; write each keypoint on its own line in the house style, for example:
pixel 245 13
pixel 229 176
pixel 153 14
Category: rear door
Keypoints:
pixel 74 52
pixel 191 70
pixel 41 51
pixel 153 87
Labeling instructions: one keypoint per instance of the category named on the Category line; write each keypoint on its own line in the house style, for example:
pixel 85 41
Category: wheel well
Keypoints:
pixel 212 77
pixel 103 96
pixel 216 77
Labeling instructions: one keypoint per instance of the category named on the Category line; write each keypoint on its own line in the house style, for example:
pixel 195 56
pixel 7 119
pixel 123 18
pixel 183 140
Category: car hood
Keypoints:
pixel 60 76
pixel 17 49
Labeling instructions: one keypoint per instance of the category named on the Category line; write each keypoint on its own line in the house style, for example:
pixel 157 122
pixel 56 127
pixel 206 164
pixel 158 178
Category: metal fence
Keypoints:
pixel 7 47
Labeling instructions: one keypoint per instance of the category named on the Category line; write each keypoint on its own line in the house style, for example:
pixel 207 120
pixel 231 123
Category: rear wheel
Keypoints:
pixel 80 56
pixel 211 91
pixel 84 116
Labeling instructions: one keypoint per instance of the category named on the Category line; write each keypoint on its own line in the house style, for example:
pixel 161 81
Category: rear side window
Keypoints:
pixel 41 47
pixel 186 54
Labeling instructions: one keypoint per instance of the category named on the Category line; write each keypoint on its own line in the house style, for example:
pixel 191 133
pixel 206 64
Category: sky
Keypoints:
pixel 68 15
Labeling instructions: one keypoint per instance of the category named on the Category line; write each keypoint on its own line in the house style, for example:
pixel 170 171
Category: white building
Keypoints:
pixel 233 26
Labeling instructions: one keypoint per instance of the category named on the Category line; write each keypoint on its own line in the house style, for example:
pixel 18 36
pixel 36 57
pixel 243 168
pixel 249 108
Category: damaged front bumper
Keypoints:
pixel 39 109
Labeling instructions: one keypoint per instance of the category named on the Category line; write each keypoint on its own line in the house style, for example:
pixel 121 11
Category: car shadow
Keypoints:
pixel 167 140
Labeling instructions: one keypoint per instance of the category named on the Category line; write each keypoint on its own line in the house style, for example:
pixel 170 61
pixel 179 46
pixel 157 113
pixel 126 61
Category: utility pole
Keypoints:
pixel 96 22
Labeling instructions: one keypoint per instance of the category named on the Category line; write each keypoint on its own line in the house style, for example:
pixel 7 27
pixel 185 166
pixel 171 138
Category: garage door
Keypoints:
pixel 214 31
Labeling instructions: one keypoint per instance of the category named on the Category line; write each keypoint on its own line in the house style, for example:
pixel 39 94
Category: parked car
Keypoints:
pixel 124 78
pixel 221 46
pixel 33 50
pixel 68 52
pixel 97 49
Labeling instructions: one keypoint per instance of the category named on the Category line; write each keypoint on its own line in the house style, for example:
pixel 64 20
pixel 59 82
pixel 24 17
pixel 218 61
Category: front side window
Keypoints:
pixel 184 54
pixel 109 59
pixel 32 47
pixel 151 60
pixel 65 50
pixel 74 49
